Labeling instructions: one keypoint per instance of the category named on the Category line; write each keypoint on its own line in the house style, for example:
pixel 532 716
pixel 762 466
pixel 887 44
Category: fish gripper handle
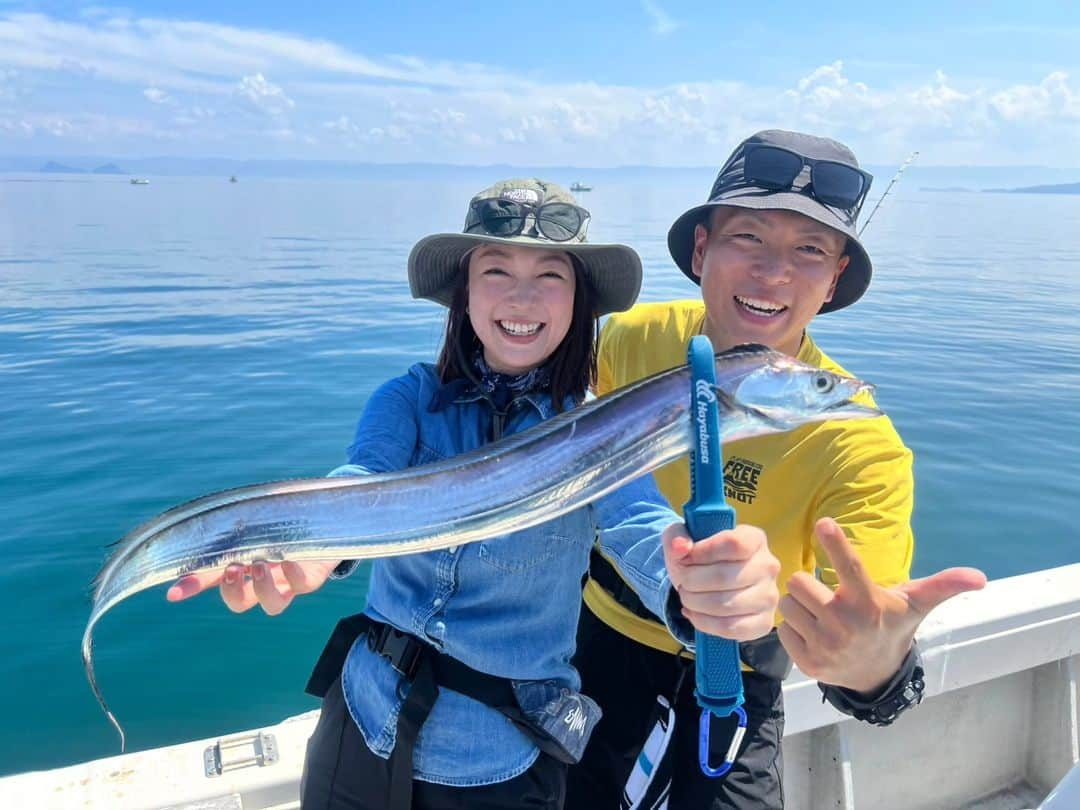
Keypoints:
pixel 719 672
pixel 719 686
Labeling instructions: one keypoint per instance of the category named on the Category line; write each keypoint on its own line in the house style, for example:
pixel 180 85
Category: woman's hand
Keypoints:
pixel 270 585
pixel 727 582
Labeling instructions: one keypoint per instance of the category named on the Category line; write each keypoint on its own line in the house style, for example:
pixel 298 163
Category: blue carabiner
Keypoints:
pixel 733 749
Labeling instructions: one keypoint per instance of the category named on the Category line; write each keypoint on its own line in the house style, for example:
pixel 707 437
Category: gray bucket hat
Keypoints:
pixel 732 190
pixel 613 271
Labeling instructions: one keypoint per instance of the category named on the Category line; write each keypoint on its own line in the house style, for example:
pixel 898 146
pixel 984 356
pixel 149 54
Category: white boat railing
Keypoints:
pixel 999 724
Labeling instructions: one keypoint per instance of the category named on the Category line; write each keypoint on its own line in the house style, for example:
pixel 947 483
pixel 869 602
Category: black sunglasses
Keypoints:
pixel 557 221
pixel 839 185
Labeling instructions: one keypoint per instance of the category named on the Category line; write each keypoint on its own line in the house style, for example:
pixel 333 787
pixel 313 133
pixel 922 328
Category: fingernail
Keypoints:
pixel 258 570
pixel 230 576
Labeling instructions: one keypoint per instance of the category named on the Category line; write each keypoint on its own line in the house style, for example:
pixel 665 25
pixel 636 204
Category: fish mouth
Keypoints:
pixel 849 407
pixel 852 408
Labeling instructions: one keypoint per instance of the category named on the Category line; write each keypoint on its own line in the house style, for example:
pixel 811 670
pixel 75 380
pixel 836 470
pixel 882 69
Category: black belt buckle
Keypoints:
pixel 402 650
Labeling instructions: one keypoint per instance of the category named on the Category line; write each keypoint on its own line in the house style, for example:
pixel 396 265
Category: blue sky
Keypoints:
pixel 652 82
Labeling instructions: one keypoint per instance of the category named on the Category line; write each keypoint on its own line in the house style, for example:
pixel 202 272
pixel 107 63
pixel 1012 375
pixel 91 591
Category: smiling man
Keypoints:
pixel 767 274
pixel 774 246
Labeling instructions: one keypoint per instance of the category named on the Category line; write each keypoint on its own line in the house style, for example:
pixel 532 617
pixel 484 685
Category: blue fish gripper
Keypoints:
pixel 718 685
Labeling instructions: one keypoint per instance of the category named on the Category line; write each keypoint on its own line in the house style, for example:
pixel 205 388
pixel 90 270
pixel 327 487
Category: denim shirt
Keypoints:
pixel 507 606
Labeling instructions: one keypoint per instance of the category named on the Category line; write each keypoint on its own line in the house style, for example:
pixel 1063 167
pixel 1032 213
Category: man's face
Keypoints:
pixel 764 275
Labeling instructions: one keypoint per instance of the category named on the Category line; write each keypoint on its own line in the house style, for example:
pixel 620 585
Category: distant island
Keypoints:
pixel 1060 188
pixel 59 168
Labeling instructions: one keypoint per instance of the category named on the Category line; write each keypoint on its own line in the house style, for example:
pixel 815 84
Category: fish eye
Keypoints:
pixel 823 383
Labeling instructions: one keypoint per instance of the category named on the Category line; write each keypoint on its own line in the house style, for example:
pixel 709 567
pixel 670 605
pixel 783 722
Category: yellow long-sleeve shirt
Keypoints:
pixel 857 471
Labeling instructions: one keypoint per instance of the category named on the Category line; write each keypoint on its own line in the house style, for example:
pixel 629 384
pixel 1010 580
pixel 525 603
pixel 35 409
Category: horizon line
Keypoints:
pixel 107 159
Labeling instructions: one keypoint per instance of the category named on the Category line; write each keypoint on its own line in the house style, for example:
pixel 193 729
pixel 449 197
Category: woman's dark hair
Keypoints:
pixel 572 364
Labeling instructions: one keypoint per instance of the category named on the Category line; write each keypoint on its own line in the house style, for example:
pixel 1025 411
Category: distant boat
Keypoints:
pixel 232 179
pixel 139 181
pixel 578 186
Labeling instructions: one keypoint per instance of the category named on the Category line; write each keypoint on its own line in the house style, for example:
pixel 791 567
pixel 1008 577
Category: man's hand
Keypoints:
pixel 727 582
pixel 271 585
pixel 858 635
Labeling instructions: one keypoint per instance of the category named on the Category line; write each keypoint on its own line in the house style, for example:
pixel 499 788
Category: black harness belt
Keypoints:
pixel 426 669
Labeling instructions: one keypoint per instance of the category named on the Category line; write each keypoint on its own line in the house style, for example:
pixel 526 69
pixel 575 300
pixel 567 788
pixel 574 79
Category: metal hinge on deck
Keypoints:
pixel 242 751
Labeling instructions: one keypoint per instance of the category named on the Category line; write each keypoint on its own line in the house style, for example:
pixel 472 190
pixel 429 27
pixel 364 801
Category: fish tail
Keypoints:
pixel 88 664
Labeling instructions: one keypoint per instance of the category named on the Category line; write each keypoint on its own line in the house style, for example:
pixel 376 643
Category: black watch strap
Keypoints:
pixel 904 690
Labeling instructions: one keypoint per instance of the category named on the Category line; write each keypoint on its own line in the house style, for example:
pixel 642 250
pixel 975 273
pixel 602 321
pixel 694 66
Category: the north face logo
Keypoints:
pixel 529 196
pixel 741 479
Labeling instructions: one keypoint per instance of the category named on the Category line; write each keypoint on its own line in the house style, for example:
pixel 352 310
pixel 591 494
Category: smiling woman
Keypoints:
pixel 521 301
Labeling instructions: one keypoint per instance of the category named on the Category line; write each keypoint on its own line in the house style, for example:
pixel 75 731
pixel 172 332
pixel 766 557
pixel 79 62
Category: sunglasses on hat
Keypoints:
pixel 835 184
pixel 557 221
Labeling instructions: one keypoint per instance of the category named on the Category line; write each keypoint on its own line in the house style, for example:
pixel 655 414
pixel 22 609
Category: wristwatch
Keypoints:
pixel 904 690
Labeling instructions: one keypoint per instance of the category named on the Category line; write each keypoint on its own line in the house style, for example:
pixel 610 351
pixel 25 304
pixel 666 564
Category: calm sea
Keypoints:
pixel 160 342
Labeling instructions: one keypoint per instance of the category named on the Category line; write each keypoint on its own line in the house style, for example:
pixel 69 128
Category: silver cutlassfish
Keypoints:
pixel 525 479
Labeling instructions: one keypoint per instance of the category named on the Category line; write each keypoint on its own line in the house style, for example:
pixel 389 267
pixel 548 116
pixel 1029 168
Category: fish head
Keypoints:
pixel 791 393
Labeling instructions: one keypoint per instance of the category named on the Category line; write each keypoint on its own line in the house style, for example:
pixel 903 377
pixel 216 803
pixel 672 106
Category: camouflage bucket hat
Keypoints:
pixel 526 213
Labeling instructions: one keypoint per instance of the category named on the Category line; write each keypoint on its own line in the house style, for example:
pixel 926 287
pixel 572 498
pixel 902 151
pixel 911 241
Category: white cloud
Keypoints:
pixel 30 126
pixel 233 90
pixel 1052 98
pixel 17 128
pixel 449 117
pixel 391 132
pixel 7 84
pixel 168 53
pixel 57 127
pixel 341 124
pixel 263 95
pixel 693 123
pixel 662 23
pixel 85 128
pixel 194 115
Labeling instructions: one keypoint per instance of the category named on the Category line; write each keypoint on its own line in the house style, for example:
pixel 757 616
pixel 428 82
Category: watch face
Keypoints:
pixel 885 709
pixel 892 706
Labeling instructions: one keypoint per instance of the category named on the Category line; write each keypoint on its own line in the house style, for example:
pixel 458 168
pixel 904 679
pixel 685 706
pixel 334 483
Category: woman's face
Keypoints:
pixel 521 302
